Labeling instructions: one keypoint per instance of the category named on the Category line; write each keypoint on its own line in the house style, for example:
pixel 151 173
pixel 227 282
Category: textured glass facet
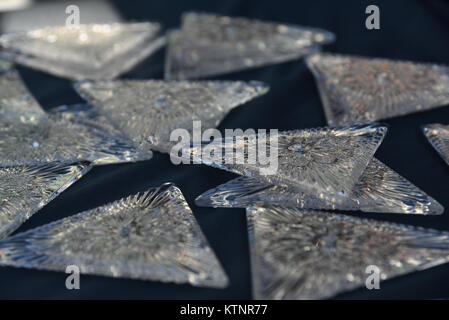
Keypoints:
pixel 148 111
pixel 438 136
pixel 151 235
pixel 379 189
pixel 302 254
pixel 94 51
pixel 356 89
pixel 16 102
pixel 209 45
pixel 318 160
pixel 50 140
pixel 26 189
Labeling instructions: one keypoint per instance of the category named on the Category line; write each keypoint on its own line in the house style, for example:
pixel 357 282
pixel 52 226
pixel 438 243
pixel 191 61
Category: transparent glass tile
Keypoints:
pixel 26 189
pixel 151 235
pixel 148 111
pixel 93 51
pixel 379 189
pixel 304 254
pixel 16 102
pixel 319 161
pixel 356 89
pixel 438 136
pixel 57 140
pixel 208 45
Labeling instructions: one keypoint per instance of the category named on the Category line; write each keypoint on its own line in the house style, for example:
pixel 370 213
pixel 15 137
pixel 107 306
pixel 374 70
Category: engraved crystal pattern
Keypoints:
pixel 26 189
pixel 94 51
pixel 318 160
pixel 209 45
pixel 301 254
pixel 151 235
pixel 438 136
pixel 379 189
pixel 146 112
pixel 356 89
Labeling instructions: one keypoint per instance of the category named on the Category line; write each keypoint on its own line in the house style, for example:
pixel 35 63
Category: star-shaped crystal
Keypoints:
pixel 379 189
pixel 26 189
pixel 151 235
pixel 357 89
pixel 92 51
pixel 148 111
pixel 208 45
pixel 438 136
pixel 302 254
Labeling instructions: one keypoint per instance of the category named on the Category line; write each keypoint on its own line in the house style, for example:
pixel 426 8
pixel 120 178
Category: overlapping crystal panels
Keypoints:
pixel 438 136
pixel 301 254
pixel 379 189
pixel 151 235
pixel 26 189
pixel 209 45
pixel 147 112
pixel 319 161
pixel 94 51
pixel 356 89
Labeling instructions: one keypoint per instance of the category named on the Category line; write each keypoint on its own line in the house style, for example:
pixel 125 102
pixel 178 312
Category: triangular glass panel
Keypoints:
pixel 93 51
pixel 55 139
pixel 320 160
pixel 357 89
pixel 208 45
pixel 148 111
pixel 151 235
pixel 438 136
pixel 26 189
pixel 379 189
pixel 16 102
pixel 305 254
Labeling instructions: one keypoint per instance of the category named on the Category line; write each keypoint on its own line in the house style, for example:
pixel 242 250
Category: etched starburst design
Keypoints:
pixel 93 51
pixel 148 111
pixel 26 189
pixel 438 136
pixel 314 160
pixel 151 235
pixel 379 189
pixel 208 45
pixel 301 254
pixel 356 89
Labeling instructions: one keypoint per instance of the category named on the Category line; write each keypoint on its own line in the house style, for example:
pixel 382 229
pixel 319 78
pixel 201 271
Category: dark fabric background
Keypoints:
pixel 413 30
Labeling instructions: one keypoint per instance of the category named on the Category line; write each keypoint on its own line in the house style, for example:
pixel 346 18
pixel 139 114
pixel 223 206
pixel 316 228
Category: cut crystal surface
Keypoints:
pixel 50 140
pixel 26 189
pixel 356 89
pixel 148 111
pixel 318 160
pixel 151 235
pixel 438 136
pixel 93 51
pixel 209 45
pixel 379 189
pixel 303 254
pixel 16 102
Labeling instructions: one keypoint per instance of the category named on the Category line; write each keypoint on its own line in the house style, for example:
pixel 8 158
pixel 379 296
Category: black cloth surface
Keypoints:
pixel 411 30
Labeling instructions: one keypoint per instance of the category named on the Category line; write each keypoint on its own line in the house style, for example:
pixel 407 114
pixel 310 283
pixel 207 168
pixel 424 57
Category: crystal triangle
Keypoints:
pixel 379 189
pixel 16 102
pixel 26 189
pixel 94 51
pixel 148 111
pixel 311 160
pixel 208 45
pixel 356 89
pixel 438 136
pixel 151 235
pixel 301 254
